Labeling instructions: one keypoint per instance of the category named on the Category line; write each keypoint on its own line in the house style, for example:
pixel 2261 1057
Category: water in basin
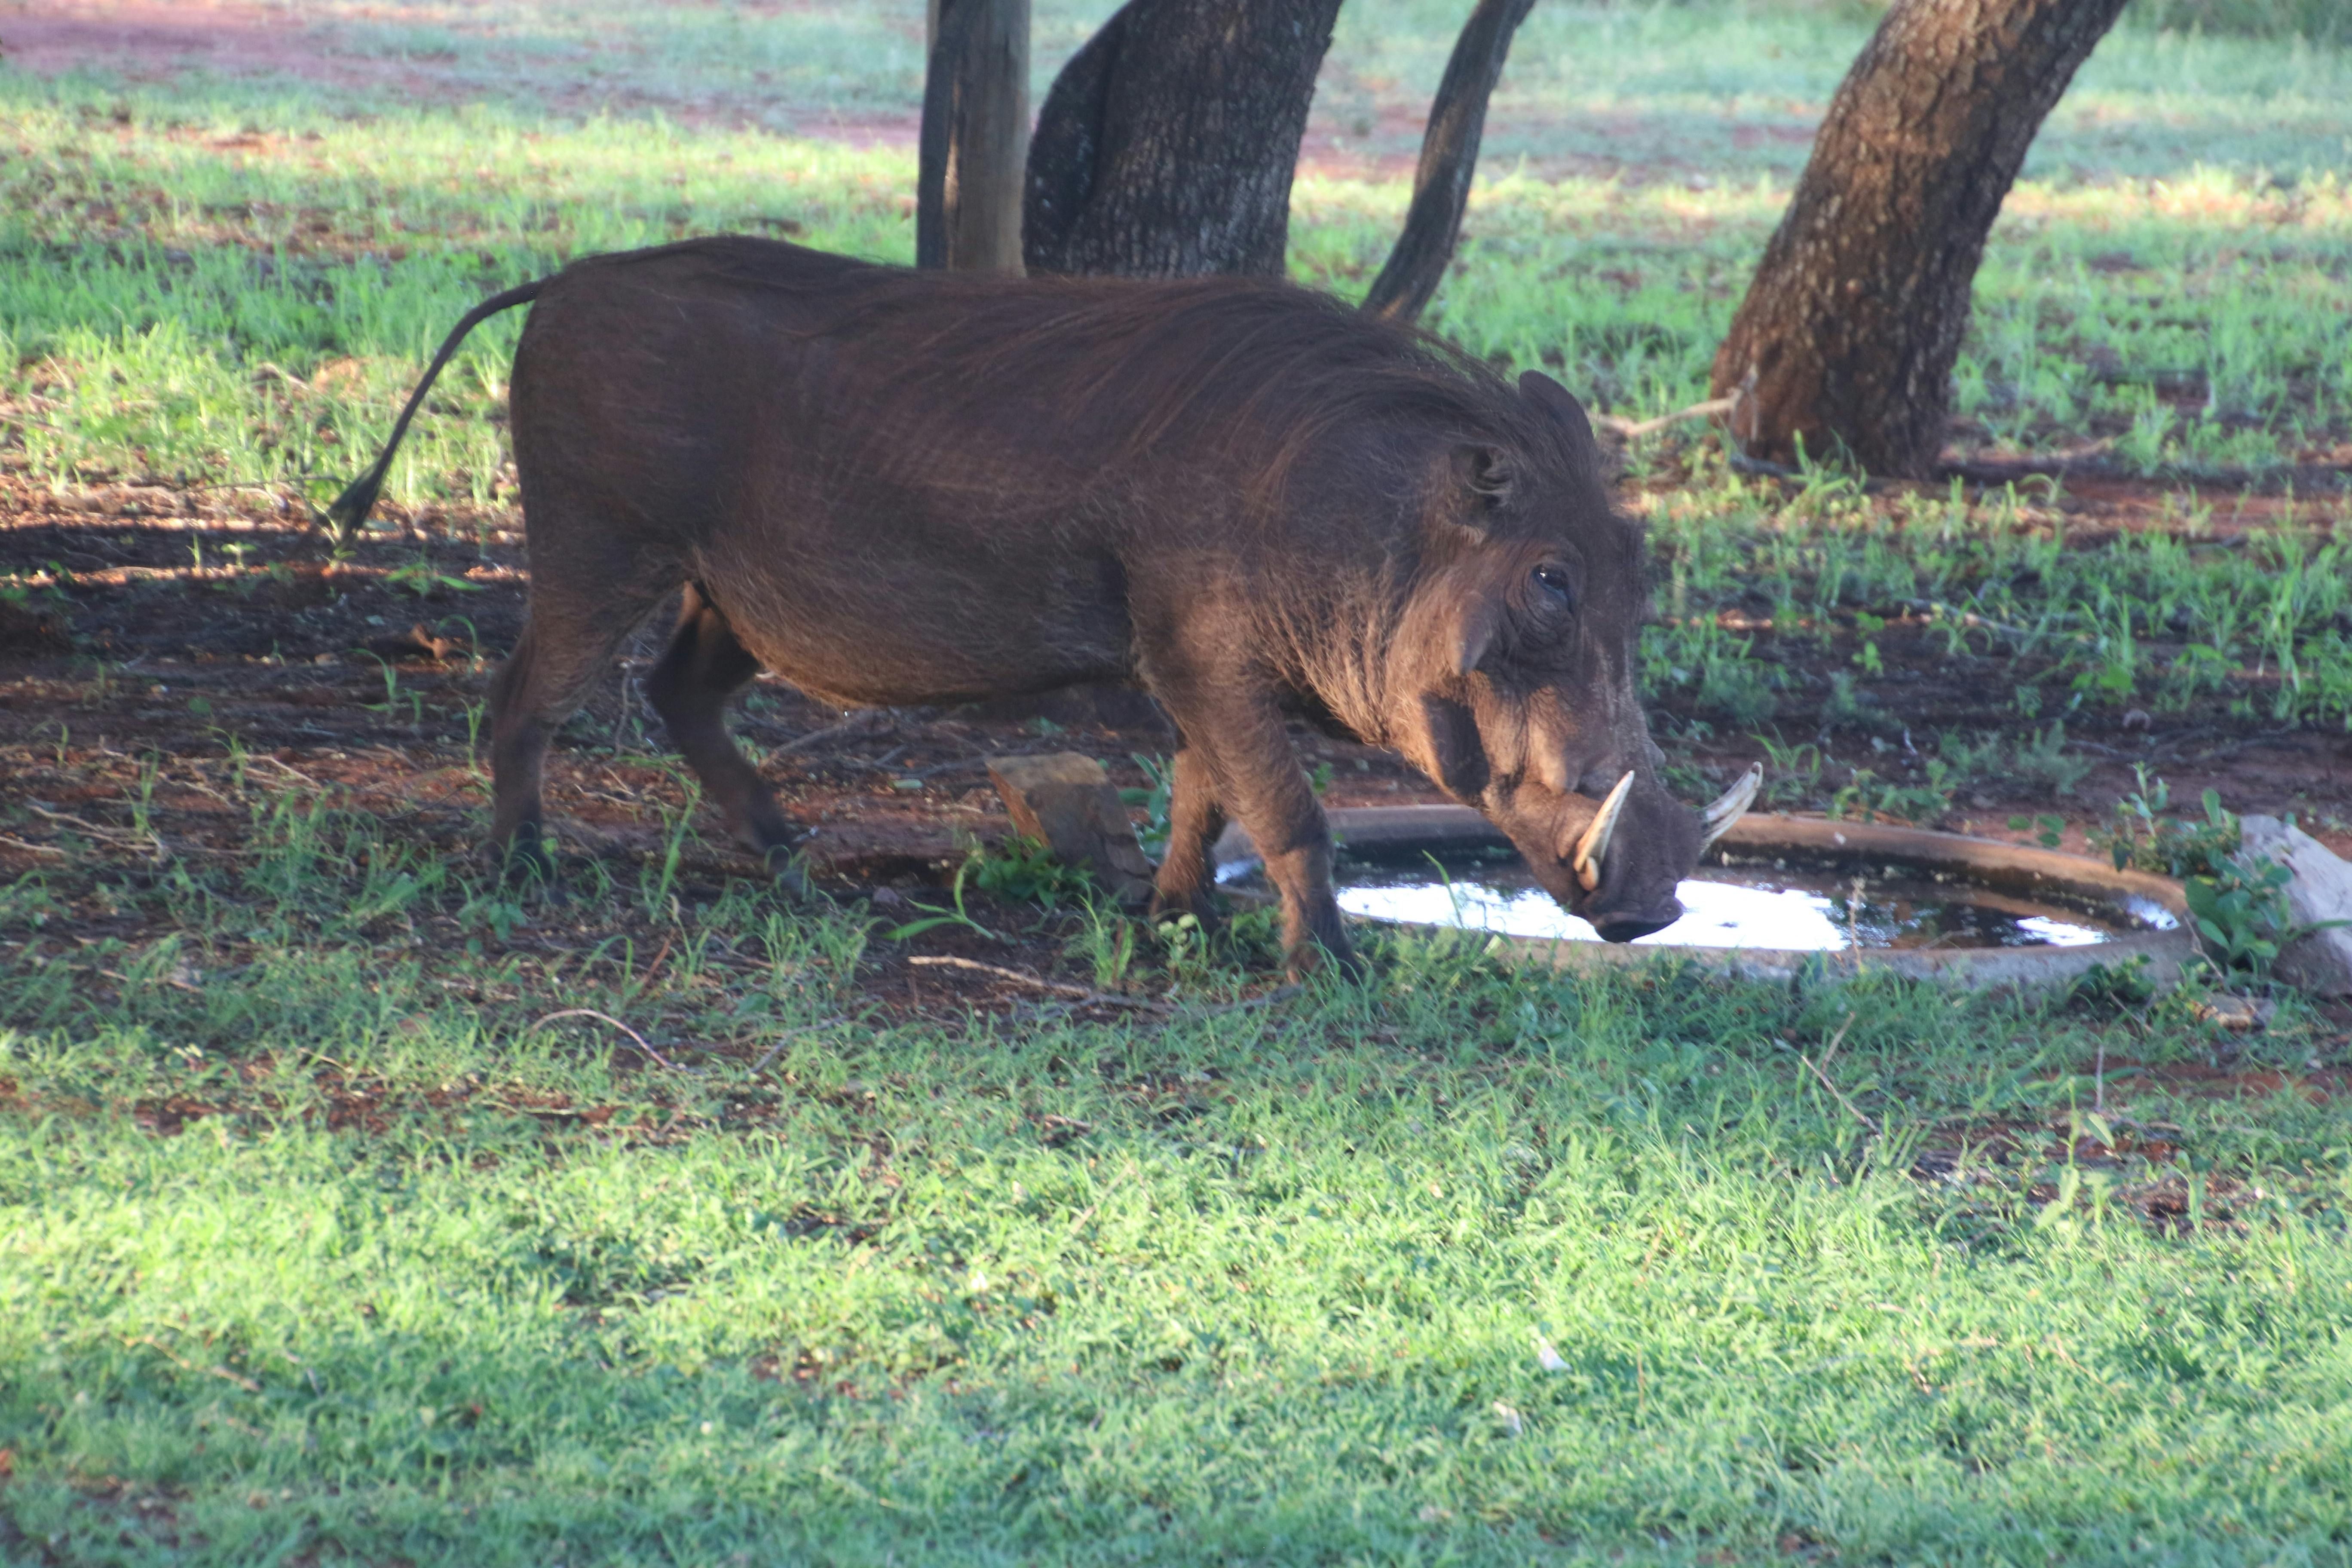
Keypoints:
pixel 1760 906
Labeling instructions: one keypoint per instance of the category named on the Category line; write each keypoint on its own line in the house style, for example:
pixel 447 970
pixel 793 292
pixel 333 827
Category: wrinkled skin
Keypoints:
pixel 1520 699
pixel 917 489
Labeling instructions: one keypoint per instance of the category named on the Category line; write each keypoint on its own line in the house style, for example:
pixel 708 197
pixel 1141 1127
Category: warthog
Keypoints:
pixel 908 488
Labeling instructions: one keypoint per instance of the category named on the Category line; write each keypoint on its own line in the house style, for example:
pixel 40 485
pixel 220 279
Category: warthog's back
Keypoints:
pixel 1007 475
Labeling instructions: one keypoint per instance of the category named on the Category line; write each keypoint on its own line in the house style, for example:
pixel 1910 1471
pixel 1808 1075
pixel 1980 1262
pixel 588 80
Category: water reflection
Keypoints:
pixel 1727 914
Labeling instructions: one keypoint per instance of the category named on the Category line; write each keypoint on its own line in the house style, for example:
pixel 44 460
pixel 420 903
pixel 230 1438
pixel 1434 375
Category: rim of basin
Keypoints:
pixel 1988 862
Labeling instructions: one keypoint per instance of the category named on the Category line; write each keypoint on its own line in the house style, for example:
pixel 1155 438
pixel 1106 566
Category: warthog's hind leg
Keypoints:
pixel 705 666
pixel 1194 820
pixel 564 648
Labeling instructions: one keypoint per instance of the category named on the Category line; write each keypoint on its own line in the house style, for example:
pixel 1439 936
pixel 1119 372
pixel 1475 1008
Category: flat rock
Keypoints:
pixel 2322 890
pixel 1066 800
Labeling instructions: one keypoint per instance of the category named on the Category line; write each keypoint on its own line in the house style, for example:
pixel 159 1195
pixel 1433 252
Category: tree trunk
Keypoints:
pixel 975 137
pixel 1166 146
pixel 1849 332
pixel 1449 157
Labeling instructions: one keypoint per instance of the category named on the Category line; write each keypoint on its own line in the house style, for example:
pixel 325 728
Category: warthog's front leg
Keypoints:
pixel 1243 756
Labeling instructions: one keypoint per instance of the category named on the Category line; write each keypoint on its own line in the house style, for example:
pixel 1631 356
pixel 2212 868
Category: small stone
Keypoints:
pixel 1066 800
pixel 2321 890
pixel 2237 1014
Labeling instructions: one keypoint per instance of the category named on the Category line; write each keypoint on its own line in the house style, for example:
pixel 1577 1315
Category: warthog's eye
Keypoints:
pixel 1554 582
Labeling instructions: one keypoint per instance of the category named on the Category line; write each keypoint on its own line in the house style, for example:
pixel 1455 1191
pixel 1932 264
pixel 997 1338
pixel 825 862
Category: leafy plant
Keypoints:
pixel 2240 913
pixel 1792 773
pixel 1024 870
pixel 934 917
pixel 1870 797
pixel 2048 831
pixel 2142 838
pixel 1158 790
pixel 420 578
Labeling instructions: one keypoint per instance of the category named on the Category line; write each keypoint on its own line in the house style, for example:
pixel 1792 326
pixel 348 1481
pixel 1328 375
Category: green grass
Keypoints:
pixel 409 1278
pixel 316 1245
pixel 2175 621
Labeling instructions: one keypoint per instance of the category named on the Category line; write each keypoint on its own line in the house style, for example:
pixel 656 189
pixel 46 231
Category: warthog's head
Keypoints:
pixel 1511 679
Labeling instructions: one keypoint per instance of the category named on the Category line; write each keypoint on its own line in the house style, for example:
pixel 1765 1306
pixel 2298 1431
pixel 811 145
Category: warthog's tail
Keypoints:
pixel 351 507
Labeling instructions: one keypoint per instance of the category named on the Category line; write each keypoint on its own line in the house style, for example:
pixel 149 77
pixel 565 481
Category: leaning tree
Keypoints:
pixel 1167 145
pixel 1449 157
pixel 1849 332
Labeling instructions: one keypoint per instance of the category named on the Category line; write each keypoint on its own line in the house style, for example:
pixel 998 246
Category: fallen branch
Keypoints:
pixel 1102 998
pixel 789 1035
pixel 119 576
pixel 31 848
pixel 1263 999
pixel 173 981
pixel 1935 607
pixel 223 1374
pixel 870 721
pixel 643 1044
pixel 1822 1073
pixel 1617 425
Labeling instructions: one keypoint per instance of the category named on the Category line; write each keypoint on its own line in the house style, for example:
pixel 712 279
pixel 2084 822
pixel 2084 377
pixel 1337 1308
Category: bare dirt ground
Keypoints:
pixel 182 619
pixel 185 618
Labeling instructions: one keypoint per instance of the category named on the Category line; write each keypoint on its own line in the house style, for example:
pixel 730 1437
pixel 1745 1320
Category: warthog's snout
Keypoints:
pixel 1626 862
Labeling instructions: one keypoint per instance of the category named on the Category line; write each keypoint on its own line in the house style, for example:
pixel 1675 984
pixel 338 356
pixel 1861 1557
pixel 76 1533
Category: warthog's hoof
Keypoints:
pixel 790 868
pixel 524 860
pixel 1300 962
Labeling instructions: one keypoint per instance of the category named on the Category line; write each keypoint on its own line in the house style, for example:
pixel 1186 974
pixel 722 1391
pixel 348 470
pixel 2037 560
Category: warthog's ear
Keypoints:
pixel 1489 473
pixel 1561 405
pixel 1453 746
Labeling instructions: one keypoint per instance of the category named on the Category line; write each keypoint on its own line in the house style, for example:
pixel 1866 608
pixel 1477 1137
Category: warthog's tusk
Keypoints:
pixel 1730 806
pixel 1594 845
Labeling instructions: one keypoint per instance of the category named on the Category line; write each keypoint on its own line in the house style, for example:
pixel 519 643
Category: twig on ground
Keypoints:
pixel 643 1044
pixel 172 981
pixel 789 1035
pixel 1821 1072
pixel 33 848
pixel 1966 618
pixel 1618 425
pixel 1102 998
pixel 283 768
pixel 1263 999
pixel 947 767
pixel 661 955
pixel 871 722
pixel 249 1385
pixel 111 835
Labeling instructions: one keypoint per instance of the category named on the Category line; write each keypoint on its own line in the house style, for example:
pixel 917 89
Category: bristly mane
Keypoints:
pixel 1257 370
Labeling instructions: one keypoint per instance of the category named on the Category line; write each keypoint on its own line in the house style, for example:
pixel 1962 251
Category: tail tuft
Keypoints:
pixel 351 509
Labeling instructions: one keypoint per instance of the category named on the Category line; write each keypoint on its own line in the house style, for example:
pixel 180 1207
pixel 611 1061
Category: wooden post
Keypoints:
pixel 975 137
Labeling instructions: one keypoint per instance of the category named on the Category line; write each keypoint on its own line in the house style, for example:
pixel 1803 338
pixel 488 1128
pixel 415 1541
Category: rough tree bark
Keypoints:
pixel 975 136
pixel 1449 157
pixel 1165 148
pixel 1849 332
